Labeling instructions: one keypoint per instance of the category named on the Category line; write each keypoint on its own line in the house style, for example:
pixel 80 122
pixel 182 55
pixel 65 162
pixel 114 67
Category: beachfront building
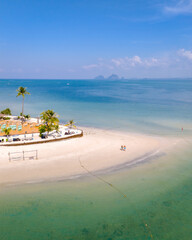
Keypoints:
pixel 28 131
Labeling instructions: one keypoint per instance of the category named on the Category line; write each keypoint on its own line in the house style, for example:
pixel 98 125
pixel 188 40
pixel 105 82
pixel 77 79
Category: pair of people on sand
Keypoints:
pixel 123 148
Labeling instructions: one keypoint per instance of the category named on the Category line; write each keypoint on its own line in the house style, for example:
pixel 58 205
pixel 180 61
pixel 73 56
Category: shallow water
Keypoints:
pixel 158 193
pixel 150 106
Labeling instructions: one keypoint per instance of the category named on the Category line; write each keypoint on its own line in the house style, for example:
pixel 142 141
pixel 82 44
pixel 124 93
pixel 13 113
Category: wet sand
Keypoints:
pixel 98 151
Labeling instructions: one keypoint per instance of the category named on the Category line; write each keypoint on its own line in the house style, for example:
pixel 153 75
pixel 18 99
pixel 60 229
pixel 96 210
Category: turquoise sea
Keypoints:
pixel 159 193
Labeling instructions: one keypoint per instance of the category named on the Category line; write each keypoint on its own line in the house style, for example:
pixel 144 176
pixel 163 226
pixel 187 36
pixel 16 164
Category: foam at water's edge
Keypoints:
pixel 135 162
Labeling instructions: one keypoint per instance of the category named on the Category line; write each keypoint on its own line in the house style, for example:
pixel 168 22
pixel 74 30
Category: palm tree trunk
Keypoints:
pixel 22 110
pixel 22 106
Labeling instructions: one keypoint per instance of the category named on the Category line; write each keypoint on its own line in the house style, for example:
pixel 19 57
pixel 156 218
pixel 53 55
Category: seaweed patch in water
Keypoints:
pixel 105 226
pixel 85 231
pixel 118 232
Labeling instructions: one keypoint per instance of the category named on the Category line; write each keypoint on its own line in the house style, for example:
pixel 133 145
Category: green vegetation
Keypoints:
pixel 22 91
pixel 27 116
pixel 6 118
pixel 50 122
pixel 7 132
pixel 42 129
pixel 71 124
pixel 7 111
pixel 57 128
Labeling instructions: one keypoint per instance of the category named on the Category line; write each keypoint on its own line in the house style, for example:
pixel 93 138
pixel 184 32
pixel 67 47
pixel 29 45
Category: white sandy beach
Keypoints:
pixel 97 150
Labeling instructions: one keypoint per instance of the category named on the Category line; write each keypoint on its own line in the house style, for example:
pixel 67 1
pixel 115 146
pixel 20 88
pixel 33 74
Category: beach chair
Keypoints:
pixel 13 127
pixel 19 128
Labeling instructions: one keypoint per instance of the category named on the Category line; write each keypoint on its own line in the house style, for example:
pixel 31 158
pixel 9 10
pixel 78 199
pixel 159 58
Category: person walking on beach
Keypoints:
pixel 124 148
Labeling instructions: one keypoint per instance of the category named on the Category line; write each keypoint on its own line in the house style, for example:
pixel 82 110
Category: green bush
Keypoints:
pixel 42 129
pixel 6 118
pixel 26 116
pixel 7 111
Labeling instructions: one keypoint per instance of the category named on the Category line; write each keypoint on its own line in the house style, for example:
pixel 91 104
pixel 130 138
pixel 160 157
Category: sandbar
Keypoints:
pixel 97 150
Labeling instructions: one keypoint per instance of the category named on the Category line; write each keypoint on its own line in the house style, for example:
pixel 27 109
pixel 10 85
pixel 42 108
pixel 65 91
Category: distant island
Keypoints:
pixel 111 77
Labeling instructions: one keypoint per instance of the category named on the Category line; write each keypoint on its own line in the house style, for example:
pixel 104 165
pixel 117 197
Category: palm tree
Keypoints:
pixel 26 116
pixel 71 124
pixel 50 120
pixel 22 91
pixel 42 129
pixel 7 132
pixel 57 128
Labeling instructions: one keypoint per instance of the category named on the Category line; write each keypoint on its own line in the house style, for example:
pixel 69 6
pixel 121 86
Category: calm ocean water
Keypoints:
pixel 152 106
pixel 159 192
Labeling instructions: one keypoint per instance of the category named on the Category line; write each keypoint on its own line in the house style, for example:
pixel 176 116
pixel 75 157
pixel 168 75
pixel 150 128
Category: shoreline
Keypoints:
pixel 99 151
pixel 113 169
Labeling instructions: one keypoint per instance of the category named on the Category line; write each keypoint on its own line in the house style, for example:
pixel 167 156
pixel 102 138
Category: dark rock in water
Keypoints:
pixel 85 231
pixel 123 226
pixel 105 226
pixel 167 203
pixel 152 215
pixel 118 232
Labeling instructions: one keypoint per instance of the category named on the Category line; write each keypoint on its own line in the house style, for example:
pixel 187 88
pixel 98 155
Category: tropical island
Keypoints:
pixel 98 149
pixel 22 129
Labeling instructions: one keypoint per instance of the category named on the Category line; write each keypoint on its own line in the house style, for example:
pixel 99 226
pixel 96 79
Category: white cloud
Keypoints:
pixel 185 53
pixel 101 64
pixel 152 62
pixel 182 7
pixel 170 64
pixel 126 62
pixel 90 66
pixel 117 62
pixel 134 61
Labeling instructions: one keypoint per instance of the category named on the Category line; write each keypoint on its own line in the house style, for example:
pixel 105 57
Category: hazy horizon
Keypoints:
pixel 120 79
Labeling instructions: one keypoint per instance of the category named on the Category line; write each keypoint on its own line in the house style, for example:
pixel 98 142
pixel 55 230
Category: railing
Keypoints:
pixel 19 143
pixel 24 155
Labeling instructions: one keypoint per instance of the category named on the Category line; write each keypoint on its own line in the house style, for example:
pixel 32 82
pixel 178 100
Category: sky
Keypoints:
pixel 80 39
